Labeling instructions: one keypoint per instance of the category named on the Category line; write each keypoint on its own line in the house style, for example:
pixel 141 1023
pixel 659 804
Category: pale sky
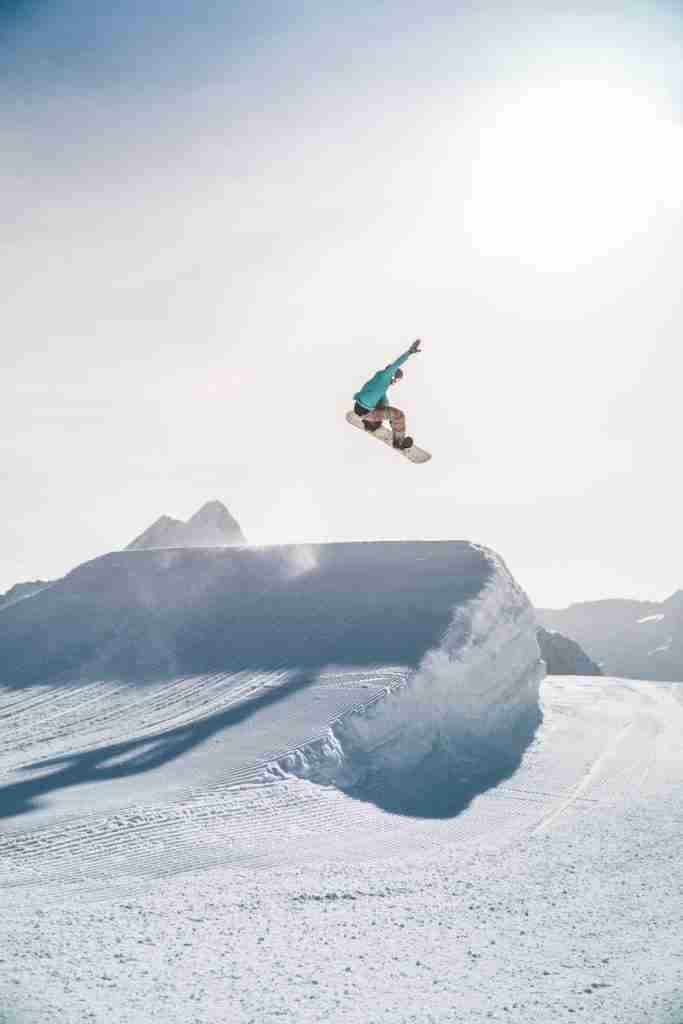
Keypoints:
pixel 220 220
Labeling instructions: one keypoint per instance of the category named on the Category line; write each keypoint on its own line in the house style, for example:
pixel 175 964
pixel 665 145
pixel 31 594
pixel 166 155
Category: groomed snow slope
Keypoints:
pixel 168 852
pixel 554 896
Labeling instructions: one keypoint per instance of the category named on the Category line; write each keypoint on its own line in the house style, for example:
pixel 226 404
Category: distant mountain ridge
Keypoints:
pixel 21 590
pixel 212 526
pixel 633 639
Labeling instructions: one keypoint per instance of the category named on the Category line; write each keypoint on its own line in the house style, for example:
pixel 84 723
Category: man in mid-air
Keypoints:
pixel 371 401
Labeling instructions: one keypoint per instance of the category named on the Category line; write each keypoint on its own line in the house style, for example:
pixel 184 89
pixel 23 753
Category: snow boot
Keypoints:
pixel 372 427
pixel 402 442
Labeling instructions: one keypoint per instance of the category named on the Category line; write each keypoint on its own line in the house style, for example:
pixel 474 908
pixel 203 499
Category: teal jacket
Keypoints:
pixel 375 390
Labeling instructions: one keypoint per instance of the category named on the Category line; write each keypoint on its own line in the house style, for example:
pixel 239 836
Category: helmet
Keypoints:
pixel 398 374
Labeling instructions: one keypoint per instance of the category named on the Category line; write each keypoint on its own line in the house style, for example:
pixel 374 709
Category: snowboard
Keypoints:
pixel 413 454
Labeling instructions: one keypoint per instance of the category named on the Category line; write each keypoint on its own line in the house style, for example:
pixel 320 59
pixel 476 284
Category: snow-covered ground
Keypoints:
pixel 355 842
pixel 555 896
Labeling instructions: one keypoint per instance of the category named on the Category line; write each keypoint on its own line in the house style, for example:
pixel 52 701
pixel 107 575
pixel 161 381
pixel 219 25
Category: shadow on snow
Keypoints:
pixel 136 755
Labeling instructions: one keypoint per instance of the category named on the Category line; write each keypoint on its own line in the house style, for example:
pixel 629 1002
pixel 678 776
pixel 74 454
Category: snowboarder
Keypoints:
pixel 371 401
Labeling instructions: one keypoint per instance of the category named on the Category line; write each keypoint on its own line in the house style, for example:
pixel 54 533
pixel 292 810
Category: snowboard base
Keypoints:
pixel 413 454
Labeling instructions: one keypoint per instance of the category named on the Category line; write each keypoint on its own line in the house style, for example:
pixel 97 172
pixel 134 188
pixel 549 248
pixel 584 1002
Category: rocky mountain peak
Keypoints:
pixel 211 526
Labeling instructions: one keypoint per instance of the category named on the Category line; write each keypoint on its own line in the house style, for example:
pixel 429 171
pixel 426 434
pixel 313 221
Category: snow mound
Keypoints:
pixel 457 724
pixel 447 618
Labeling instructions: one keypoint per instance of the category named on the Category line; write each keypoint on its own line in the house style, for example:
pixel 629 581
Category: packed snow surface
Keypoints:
pixel 316 784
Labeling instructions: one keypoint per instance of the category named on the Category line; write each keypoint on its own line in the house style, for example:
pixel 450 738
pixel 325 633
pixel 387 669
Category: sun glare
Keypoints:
pixel 566 172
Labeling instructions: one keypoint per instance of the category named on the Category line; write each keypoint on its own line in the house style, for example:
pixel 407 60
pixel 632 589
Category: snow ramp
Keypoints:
pixel 406 673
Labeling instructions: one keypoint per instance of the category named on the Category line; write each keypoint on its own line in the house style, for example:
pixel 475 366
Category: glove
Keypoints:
pixel 415 347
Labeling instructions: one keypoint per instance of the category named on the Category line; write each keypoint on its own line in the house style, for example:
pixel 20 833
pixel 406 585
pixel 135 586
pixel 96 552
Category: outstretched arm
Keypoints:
pixel 415 347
